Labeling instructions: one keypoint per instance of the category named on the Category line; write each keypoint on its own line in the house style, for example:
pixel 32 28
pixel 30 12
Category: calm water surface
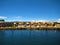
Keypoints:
pixel 29 37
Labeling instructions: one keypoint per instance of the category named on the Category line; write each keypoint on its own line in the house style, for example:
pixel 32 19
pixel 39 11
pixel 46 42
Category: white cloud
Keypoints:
pixel 42 20
pixel 39 20
pixel 15 18
pixel 18 17
pixel 58 20
pixel 21 18
pixel 2 17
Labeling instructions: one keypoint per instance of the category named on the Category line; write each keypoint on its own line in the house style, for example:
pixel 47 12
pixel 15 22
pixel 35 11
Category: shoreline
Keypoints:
pixel 14 28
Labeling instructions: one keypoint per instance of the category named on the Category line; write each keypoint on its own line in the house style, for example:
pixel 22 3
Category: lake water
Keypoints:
pixel 29 37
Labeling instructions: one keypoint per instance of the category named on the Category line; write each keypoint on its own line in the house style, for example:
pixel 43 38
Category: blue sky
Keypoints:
pixel 21 10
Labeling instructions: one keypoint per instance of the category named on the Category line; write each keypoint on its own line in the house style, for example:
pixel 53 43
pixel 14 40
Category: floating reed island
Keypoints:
pixel 29 25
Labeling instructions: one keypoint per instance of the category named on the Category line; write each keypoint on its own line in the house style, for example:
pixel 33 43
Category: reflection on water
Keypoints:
pixel 29 37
